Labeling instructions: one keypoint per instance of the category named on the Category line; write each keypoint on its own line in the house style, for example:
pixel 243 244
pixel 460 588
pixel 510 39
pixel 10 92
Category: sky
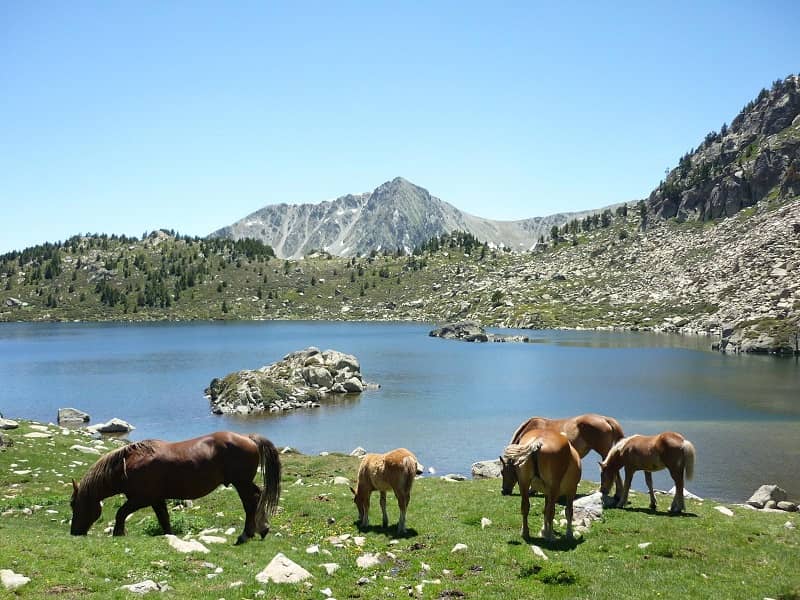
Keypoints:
pixel 125 117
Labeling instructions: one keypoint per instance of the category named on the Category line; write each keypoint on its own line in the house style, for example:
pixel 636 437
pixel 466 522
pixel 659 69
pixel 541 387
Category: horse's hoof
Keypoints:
pixel 264 533
pixel 241 540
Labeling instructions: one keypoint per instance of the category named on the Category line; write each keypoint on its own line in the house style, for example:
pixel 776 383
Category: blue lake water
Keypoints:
pixel 450 402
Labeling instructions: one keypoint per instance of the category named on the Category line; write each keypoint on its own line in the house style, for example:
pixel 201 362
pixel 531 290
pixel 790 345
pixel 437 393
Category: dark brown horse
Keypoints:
pixel 584 432
pixel 648 453
pixel 152 471
pixel 545 460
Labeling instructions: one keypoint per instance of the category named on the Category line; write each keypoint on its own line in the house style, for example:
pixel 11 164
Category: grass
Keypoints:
pixel 701 555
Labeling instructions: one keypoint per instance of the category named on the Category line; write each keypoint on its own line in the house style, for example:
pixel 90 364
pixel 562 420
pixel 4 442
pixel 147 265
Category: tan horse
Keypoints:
pixel 395 470
pixel 584 432
pixel 648 453
pixel 544 459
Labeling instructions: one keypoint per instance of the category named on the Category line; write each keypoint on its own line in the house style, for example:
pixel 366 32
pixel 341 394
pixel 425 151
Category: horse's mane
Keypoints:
pixel 618 447
pixel 111 466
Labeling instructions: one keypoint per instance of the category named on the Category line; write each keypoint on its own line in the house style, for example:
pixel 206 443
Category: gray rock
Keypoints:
pixel 11 580
pixel 766 493
pixel 72 415
pixel 787 506
pixel 588 507
pixel 359 452
pixel 486 469
pixel 143 587
pixel 319 376
pixel 468 331
pixel 114 425
pixel 353 385
pixel 8 424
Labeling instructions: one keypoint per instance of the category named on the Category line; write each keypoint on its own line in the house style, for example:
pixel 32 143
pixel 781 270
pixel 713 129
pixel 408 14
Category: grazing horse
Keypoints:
pixel 584 432
pixel 151 471
pixel 544 459
pixel 394 470
pixel 648 453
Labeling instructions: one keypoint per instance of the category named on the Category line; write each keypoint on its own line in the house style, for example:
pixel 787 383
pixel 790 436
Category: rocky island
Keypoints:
pixel 300 380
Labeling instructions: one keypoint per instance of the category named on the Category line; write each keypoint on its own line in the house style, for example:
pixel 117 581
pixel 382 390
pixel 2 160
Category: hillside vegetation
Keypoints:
pixel 626 269
pixel 627 553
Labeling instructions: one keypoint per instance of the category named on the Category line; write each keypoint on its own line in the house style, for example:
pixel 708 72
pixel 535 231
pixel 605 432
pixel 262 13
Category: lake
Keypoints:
pixel 452 403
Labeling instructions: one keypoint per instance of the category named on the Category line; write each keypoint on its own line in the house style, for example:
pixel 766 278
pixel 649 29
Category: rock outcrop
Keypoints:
pixel 71 416
pixel 471 331
pixel 757 157
pixel 300 380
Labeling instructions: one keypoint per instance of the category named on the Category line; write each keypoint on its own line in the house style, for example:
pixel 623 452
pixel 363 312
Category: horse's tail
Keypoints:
pixel 616 428
pixel 688 458
pixel 271 471
pixel 516 454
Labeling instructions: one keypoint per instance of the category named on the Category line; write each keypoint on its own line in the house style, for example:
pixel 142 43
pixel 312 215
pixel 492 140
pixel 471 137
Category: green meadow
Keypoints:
pixel 627 553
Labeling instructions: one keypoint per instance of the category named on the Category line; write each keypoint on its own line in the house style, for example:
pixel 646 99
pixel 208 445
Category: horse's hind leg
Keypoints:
pixel 568 512
pixel 648 479
pixel 162 514
pixel 551 498
pixel 525 502
pixel 678 503
pixel 131 506
pixel 385 521
pixel 249 495
pixel 403 499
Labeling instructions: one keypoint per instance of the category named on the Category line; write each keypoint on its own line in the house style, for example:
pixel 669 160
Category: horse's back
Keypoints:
pixel 556 459
pixel 396 468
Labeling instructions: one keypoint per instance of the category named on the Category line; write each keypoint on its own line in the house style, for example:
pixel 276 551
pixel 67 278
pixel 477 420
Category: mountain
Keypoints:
pixel 397 214
pixel 756 158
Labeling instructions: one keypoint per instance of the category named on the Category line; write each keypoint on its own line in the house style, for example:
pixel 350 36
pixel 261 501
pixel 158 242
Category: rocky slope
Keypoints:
pixel 757 157
pixel 397 214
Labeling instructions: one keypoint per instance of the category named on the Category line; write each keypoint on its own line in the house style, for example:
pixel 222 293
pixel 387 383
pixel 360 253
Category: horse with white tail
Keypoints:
pixel 544 459
pixel 395 470
pixel 648 453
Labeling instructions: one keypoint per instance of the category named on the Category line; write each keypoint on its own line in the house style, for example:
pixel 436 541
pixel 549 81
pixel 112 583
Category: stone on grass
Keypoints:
pixel 644 545
pixel 787 506
pixel 459 548
pixel 686 494
pixel 186 546
pixel 282 570
pixel 339 480
pixel 485 522
pixel 766 493
pixel 359 451
pixel 85 449
pixel 37 435
pixel 453 477
pixel 486 469
pixel 330 568
pixel 365 561
pixel 11 580
pixel 212 539
pixel 724 510
pixel 143 587
pixel 115 425
pixel 539 552
pixel 8 424
pixel 72 415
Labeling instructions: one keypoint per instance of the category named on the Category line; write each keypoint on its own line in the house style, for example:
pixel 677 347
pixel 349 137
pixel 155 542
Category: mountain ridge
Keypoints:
pixel 396 214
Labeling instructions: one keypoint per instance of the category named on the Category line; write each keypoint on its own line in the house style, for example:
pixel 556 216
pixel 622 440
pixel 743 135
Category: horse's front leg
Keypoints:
pixel 525 505
pixel 618 487
pixel 162 514
pixel 648 479
pixel 626 487
pixel 385 521
pixel 131 506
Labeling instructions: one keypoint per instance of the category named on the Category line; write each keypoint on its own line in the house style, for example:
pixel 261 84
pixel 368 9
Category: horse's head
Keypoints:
pixel 607 477
pixel 509 474
pixel 85 511
pixel 362 503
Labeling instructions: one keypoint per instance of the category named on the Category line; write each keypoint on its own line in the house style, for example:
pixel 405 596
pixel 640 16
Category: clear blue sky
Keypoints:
pixel 121 117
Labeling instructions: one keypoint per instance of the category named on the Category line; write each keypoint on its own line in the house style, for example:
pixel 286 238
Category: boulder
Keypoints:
pixel 353 386
pixel 468 331
pixel 359 452
pixel 318 376
pixel 72 415
pixel 11 580
pixel 282 570
pixel 115 425
pixel 143 587
pixel 186 546
pixel 8 424
pixel 766 493
pixel 486 469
